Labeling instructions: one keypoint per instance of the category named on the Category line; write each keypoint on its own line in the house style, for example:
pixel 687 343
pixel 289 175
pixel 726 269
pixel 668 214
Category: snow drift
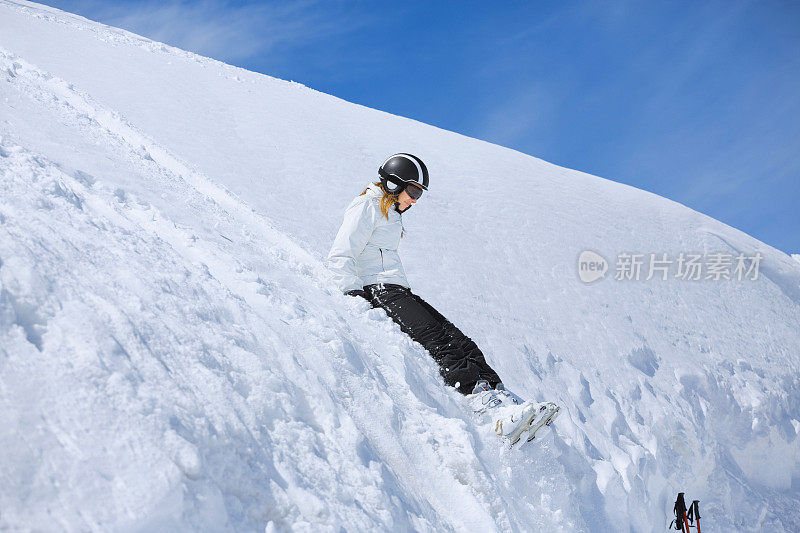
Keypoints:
pixel 173 355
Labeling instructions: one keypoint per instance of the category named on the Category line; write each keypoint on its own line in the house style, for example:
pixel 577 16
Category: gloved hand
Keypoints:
pixel 358 292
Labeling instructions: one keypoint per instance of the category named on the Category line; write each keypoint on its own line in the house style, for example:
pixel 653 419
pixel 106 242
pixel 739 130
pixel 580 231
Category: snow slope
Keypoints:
pixel 173 355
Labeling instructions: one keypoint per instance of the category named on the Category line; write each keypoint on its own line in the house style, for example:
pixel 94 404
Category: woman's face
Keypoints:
pixel 404 200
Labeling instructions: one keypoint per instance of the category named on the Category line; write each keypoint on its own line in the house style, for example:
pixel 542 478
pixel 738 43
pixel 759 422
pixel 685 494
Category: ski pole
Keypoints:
pixel 680 514
pixel 696 513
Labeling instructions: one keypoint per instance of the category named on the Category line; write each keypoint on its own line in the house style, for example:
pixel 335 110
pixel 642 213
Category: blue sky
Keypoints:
pixel 696 101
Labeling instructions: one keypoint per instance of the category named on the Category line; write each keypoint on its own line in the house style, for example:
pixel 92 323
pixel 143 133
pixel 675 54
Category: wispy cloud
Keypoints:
pixel 228 31
pixel 695 104
pixel 520 116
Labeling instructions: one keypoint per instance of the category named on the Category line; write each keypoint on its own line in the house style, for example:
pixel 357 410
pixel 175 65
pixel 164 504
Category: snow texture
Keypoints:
pixel 174 356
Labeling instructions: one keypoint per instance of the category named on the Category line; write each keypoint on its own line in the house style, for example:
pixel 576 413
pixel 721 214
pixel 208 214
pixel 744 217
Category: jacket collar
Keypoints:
pixel 375 190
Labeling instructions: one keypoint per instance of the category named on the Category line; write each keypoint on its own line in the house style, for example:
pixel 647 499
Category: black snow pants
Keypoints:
pixel 461 362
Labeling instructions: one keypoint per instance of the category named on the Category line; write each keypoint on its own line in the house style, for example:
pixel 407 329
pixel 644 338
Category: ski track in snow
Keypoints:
pixel 172 360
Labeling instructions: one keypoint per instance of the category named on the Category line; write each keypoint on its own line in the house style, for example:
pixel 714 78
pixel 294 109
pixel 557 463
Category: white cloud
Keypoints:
pixel 219 29
pixel 518 117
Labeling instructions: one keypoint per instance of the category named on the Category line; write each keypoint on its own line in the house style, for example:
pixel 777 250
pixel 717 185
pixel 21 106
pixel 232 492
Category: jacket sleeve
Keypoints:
pixel 356 230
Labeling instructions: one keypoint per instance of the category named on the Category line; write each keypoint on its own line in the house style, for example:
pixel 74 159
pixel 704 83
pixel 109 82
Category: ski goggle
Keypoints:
pixel 413 191
pixel 413 188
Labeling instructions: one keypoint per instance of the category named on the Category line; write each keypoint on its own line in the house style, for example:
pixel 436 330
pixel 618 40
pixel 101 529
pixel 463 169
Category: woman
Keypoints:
pixel 365 263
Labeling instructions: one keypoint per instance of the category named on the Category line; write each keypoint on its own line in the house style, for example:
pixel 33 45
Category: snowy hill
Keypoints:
pixel 174 356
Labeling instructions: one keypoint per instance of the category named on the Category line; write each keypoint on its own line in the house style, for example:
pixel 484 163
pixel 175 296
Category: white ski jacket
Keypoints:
pixel 365 249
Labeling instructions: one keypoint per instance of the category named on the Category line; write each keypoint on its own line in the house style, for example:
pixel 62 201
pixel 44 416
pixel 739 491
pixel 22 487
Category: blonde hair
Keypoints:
pixel 387 201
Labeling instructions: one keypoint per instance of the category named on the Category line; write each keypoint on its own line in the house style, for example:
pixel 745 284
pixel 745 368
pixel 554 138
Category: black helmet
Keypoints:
pixel 401 169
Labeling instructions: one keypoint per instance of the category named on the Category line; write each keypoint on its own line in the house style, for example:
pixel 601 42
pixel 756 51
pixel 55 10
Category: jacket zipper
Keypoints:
pixel 383 267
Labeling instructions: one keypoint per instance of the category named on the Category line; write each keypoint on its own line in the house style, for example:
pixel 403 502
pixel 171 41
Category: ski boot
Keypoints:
pixel 511 418
pixel 484 397
pixel 548 411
